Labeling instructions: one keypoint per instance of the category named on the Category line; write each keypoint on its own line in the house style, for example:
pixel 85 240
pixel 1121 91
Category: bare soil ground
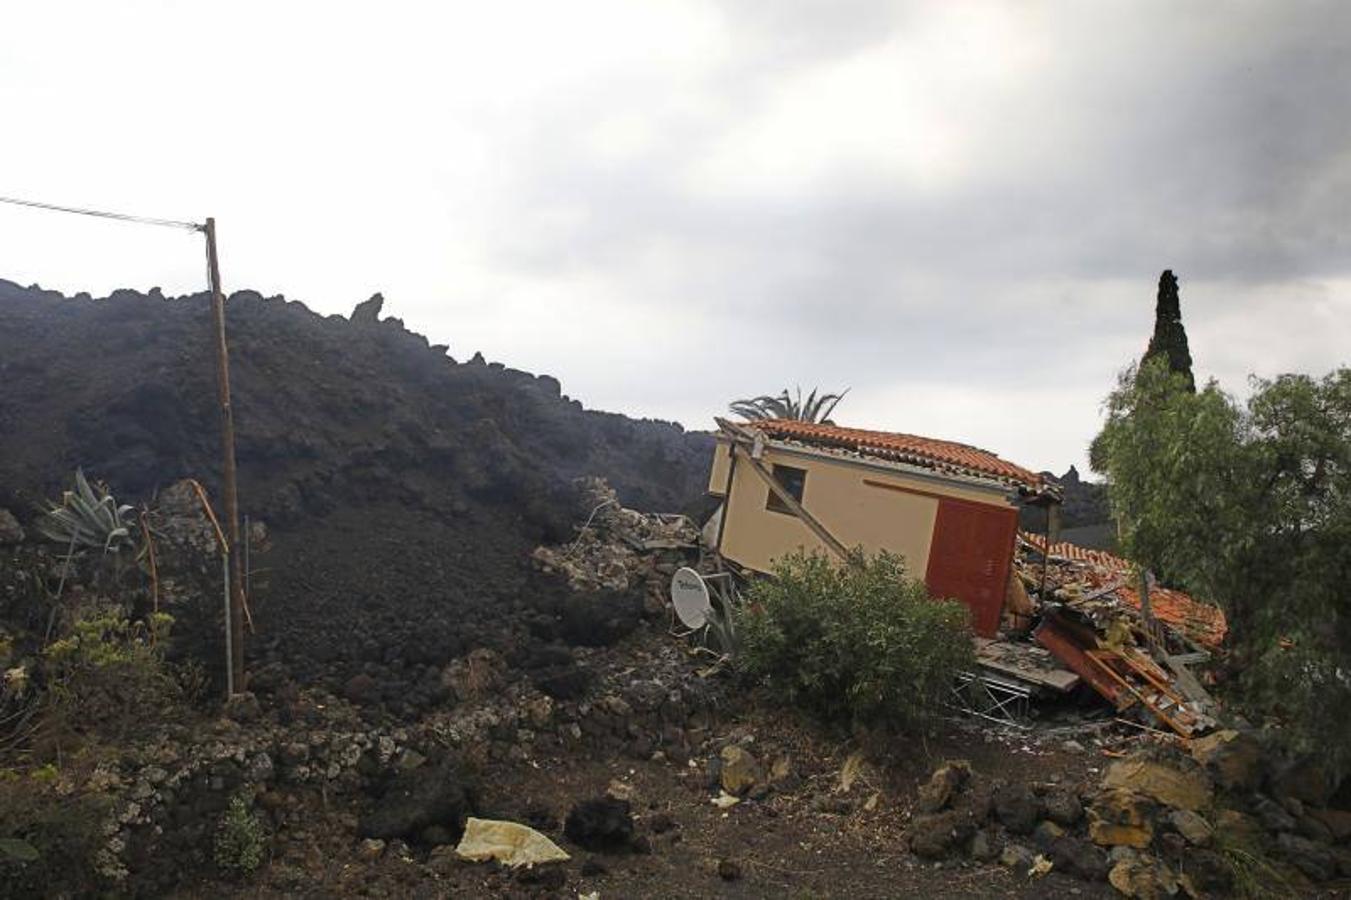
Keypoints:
pixel 808 839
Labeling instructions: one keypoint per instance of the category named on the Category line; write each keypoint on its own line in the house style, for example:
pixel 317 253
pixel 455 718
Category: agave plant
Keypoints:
pixel 786 406
pixel 88 517
pixel 722 630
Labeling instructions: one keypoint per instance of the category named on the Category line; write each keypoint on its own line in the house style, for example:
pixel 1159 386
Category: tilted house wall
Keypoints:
pixel 947 508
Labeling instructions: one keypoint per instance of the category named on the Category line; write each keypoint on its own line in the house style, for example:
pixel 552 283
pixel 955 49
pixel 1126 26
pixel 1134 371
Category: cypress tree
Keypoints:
pixel 1170 338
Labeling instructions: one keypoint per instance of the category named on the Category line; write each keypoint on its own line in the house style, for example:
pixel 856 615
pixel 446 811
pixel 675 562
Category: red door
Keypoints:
pixel 970 556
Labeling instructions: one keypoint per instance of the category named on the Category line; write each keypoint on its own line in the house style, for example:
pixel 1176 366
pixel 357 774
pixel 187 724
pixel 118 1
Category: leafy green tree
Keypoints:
pixel 1170 338
pixel 787 406
pixel 853 643
pixel 1250 507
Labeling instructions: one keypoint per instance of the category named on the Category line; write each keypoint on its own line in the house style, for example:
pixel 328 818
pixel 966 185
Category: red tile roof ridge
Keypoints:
pixel 1066 550
pixel 933 452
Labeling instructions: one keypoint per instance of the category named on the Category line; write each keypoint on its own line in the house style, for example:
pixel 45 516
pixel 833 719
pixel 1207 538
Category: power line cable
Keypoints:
pixel 121 217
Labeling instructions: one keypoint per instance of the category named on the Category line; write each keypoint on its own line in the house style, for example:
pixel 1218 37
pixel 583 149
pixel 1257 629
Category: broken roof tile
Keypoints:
pixel 1203 622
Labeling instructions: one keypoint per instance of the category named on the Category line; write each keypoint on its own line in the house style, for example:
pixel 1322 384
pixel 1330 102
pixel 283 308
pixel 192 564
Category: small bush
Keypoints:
pixel 239 838
pixel 853 644
pixel 49 841
pixel 105 674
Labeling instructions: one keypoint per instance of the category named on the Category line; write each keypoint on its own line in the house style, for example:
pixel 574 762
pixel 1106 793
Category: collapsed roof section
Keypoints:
pixel 1089 617
pixel 945 457
pixel 1101 586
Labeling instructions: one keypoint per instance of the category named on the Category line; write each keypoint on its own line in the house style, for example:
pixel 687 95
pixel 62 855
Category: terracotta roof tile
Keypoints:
pixel 947 456
pixel 1201 621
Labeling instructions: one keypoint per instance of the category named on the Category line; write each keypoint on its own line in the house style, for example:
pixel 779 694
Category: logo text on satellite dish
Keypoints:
pixel 689 596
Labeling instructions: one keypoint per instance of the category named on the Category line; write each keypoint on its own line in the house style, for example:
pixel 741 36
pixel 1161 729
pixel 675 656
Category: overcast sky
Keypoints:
pixel 959 210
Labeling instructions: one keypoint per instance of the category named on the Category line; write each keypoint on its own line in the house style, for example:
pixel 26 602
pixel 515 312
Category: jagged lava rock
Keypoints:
pixel 418 799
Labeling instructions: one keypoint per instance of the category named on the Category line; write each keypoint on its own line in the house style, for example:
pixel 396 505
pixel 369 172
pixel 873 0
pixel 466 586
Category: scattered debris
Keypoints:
pixel 1099 586
pixel 1026 662
pixel 323 779
pixel 725 800
pixel 1088 617
pixel 612 548
pixel 1124 675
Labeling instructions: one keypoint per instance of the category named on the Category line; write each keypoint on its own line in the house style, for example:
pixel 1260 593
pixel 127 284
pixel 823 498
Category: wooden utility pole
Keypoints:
pixel 234 624
pixel 235 608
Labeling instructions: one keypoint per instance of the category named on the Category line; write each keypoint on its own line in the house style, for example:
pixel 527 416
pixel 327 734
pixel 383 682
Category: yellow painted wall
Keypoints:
pixel 836 495
pixel 717 477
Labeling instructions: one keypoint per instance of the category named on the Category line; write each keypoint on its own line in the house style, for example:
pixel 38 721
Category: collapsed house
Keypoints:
pixel 949 509
pixel 1048 616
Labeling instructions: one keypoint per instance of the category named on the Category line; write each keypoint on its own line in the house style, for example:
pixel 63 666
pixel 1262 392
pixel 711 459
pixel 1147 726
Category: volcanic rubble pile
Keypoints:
pixel 403 490
pixel 1159 822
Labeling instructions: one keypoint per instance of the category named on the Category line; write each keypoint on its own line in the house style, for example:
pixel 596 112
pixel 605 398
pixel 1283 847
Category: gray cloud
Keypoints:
pixel 960 210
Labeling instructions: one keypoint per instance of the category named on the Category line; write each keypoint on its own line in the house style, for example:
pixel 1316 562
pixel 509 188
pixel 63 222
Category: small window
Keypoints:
pixel 793 480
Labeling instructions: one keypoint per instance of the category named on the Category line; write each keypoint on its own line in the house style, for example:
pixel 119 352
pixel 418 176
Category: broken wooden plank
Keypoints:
pixel 1061 681
pixel 668 544
pixel 1187 683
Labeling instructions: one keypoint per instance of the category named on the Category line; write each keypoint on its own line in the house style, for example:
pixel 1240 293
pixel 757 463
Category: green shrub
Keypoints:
pixel 108 671
pixel 240 838
pixel 49 841
pixel 853 644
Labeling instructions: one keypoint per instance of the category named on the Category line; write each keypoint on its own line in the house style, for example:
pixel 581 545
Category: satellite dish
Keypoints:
pixel 689 596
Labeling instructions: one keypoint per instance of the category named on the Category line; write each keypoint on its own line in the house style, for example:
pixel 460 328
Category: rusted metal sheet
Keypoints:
pixel 970 556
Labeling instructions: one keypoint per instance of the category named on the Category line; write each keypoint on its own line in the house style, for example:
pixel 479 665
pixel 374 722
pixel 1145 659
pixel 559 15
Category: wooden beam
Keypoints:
pixel 739 437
